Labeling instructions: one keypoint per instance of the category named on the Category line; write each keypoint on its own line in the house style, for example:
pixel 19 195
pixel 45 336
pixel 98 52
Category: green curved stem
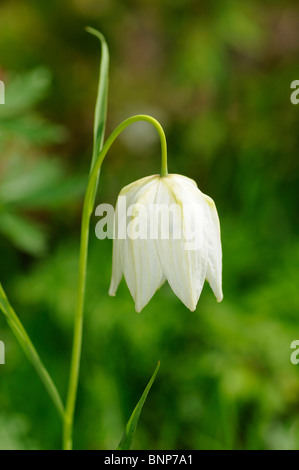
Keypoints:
pixel 111 139
pixel 85 224
pixel 30 351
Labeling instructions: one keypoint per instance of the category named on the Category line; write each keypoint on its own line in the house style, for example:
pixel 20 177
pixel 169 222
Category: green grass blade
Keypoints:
pixel 129 433
pixel 30 351
pixel 102 98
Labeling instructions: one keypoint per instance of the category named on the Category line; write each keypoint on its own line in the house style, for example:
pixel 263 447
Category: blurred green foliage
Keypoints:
pixel 29 179
pixel 217 76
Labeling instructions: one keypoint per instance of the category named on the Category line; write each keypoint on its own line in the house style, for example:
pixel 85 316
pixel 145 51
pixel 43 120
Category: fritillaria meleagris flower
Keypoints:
pixel 186 253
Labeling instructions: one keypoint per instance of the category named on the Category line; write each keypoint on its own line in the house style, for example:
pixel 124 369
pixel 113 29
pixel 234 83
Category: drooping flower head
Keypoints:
pixel 173 235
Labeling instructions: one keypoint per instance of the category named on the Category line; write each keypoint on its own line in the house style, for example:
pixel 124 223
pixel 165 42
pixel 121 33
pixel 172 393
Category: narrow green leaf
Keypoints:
pixel 30 351
pixel 102 98
pixel 129 433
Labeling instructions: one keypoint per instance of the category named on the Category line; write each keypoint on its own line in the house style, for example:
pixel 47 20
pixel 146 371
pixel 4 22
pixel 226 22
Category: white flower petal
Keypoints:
pixel 214 271
pixel 140 261
pixel 130 192
pixel 185 269
pixel 117 271
pixel 212 230
pixel 137 258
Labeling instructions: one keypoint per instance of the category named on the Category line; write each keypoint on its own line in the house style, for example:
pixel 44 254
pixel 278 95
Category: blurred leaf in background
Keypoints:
pixel 30 180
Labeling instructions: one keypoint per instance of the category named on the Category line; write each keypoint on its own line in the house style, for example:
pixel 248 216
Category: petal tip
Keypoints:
pixel 191 305
pixel 111 292
pixel 138 309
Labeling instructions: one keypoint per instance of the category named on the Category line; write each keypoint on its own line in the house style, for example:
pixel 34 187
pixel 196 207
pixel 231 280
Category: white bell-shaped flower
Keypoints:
pixel 166 229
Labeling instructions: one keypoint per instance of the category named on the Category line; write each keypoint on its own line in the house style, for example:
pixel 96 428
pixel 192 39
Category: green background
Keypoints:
pixel 217 76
